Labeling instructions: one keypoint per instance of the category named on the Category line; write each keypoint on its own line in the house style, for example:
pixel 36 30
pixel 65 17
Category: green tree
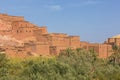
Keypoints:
pixel 4 67
pixel 115 57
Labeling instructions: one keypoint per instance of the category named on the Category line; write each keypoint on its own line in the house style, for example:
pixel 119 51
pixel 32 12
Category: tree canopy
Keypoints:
pixel 71 64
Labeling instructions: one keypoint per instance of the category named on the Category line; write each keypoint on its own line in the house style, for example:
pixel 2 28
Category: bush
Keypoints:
pixel 71 64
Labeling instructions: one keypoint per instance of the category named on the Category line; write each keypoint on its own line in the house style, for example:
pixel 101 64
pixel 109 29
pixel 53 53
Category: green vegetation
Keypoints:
pixel 69 65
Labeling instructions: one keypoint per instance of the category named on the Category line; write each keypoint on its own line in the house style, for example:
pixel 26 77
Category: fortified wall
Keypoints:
pixel 21 38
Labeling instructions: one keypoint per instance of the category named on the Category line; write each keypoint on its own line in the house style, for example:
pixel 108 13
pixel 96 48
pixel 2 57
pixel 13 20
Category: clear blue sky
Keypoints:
pixel 92 20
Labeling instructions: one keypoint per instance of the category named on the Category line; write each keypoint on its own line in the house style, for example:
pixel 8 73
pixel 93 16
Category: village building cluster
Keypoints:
pixel 20 38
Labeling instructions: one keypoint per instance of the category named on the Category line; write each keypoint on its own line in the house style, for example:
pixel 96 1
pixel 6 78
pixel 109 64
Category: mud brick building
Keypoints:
pixel 20 38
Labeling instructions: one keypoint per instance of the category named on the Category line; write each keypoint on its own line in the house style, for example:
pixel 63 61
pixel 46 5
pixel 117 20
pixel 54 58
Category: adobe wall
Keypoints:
pixel 84 45
pixel 117 41
pixel 11 18
pixel 5 28
pixel 74 42
pixel 58 35
pixel 43 29
pixel 29 49
pixel 22 29
pixel 103 50
pixel 37 49
pixel 23 24
pixel 58 40
pixel 55 50
pixel 42 40
pixel 5 25
pixel 37 41
pixel 111 41
pixel 23 33
pixel 37 32
pixel 4 32
pixel 42 50
pixel 94 46
pixel 12 51
pixel 39 36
